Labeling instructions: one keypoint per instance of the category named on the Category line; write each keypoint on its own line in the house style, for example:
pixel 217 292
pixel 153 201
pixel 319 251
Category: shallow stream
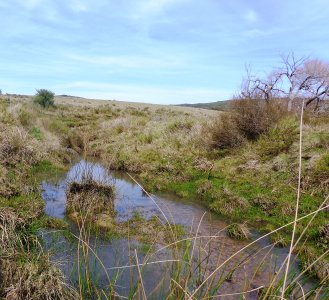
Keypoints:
pixel 117 252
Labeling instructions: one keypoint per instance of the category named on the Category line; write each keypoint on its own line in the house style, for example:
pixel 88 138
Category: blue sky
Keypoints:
pixel 159 51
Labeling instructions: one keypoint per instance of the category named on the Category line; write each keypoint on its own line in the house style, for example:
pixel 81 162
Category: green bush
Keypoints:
pixel 278 139
pixel 45 98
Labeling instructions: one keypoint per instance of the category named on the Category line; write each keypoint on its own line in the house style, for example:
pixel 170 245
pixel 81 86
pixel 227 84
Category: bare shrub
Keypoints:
pixel 224 133
pixel 247 120
pixel 255 117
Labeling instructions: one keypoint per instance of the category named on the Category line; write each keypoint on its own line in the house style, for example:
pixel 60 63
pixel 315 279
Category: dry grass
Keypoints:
pixel 25 275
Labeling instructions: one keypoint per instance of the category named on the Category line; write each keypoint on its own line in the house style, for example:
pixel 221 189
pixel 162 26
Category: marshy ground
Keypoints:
pixel 167 149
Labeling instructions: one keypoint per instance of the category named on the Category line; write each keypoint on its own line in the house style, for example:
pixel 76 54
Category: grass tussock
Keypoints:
pixel 238 231
pixel 90 196
pixel 26 272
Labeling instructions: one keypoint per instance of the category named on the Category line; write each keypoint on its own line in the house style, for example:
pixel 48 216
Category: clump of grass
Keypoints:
pixel 204 186
pixel 7 187
pixel 90 197
pixel 36 133
pixel 25 117
pixel 324 236
pixel 26 271
pixel 186 124
pixel 265 204
pixel 228 203
pixel 146 138
pixel 279 240
pixel 316 267
pixel 15 147
pixel 321 170
pixel 238 231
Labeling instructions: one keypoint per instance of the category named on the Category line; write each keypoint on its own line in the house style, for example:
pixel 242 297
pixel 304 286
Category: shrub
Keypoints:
pixel 45 98
pixel 255 117
pixel 225 134
pixel 278 139
pixel 247 120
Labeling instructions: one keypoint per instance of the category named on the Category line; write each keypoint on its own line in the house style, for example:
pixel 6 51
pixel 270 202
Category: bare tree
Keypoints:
pixel 301 78
pixel 257 88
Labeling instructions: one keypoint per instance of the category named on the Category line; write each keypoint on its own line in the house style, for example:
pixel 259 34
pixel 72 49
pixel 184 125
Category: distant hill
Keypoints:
pixel 218 105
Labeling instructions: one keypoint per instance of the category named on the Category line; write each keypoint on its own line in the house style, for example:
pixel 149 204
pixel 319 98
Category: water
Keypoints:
pixel 118 252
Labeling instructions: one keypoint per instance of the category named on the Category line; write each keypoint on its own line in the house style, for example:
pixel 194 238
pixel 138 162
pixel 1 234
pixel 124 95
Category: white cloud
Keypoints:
pixel 251 16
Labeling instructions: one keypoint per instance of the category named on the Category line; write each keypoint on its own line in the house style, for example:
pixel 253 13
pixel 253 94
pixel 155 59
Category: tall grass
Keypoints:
pixel 192 274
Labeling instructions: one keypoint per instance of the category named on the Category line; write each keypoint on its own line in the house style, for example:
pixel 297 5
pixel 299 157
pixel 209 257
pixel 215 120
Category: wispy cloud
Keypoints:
pixel 152 50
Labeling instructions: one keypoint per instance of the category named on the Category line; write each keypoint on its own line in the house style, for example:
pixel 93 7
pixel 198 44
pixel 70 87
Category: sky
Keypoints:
pixel 157 51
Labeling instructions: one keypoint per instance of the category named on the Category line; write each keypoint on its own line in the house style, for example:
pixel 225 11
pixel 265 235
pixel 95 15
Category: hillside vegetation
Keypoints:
pixel 218 105
pixel 249 178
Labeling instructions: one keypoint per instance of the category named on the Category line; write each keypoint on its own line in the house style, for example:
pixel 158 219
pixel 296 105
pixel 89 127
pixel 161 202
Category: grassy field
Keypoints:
pixel 169 148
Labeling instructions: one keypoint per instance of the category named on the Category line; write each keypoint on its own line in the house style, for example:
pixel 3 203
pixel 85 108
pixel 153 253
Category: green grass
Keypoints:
pixel 36 133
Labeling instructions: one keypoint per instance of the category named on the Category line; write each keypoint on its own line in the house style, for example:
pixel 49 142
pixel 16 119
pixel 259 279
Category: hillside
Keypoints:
pixel 218 105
